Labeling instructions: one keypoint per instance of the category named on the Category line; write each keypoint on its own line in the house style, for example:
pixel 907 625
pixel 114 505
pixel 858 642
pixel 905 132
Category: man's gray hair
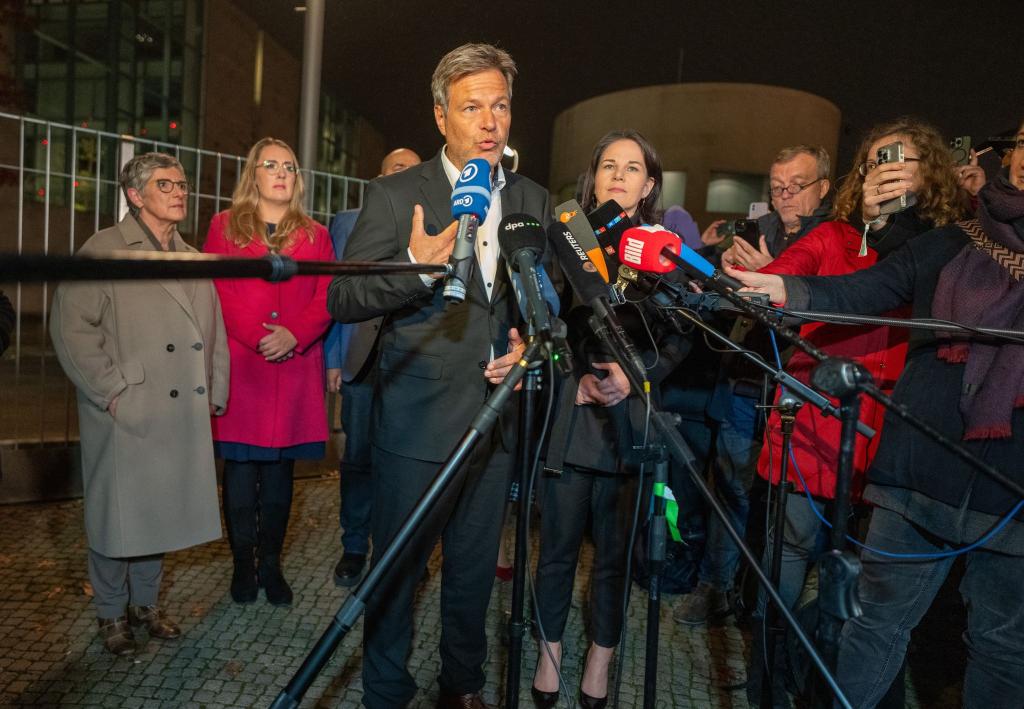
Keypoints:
pixel 815 151
pixel 137 171
pixel 465 60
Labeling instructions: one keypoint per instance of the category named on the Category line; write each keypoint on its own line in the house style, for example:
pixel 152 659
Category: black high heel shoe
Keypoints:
pixel 543 700
pixel 589 702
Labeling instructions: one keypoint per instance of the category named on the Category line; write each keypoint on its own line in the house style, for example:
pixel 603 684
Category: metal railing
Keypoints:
pixel 58 186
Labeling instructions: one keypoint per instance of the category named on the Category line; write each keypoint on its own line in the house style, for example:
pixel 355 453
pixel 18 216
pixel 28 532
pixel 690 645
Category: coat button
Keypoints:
pixel 174 393
pixel 197 346
pixel 170 348
pixel 483 364
pixel 200 390
pixel 273 315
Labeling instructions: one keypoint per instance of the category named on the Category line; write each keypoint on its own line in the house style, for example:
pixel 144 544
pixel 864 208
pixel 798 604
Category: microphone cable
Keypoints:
pixel 984 539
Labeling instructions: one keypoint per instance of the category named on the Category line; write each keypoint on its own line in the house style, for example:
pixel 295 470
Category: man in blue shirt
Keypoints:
pixel 348 354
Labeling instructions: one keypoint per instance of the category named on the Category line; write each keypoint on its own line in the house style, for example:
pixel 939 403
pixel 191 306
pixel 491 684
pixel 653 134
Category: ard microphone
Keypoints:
pixel 521 240
pixel 655 250
pixel 583 276
pixel 471 199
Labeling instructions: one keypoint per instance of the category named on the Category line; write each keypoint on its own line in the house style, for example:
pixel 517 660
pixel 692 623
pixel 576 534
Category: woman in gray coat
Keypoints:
pixel 149 360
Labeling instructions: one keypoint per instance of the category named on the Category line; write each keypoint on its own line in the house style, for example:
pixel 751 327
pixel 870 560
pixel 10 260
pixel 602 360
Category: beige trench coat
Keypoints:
pixel 149 478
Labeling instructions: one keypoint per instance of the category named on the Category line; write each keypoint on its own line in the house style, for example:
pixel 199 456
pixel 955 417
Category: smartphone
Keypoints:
pixel 726 228
pixel 747 230
pixel 961 149
pixel 893 152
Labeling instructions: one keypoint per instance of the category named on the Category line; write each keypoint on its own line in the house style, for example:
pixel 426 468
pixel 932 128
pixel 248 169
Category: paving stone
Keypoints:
pixel 242 656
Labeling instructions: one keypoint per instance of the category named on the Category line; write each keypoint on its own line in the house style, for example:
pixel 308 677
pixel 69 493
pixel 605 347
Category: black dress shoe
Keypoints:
pixel 589 702
pixel 461 701
pixel 349 570
pixel 543 700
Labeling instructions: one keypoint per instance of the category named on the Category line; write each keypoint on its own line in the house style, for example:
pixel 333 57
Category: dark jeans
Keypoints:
pixel 896 593
pixel 468 519
pixel 356 481
pixel 566 503
pixel 736 452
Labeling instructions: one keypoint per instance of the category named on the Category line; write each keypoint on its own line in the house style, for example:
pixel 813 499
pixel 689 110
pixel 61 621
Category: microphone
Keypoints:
pixel 609 222
pixel 521 240
pixel 655 250
pixel 583 276
pixel 666 302
pixel 571 214
pixel 471 199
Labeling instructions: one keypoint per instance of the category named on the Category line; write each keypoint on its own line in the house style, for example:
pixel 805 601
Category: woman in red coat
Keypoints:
pixel 857 239
pixel 275 332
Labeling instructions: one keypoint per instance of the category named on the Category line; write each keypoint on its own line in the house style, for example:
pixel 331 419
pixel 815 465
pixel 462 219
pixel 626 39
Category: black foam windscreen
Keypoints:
pixel 517 232
pixel 576 265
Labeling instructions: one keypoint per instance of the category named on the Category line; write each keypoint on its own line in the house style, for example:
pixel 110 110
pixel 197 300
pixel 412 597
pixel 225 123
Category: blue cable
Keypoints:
pixel 892 554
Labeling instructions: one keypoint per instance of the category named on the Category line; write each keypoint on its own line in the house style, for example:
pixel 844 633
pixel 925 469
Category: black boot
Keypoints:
pixel 273 523
pixel 240 518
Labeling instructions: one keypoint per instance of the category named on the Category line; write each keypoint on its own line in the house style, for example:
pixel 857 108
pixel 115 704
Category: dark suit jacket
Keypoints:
pixel 431 357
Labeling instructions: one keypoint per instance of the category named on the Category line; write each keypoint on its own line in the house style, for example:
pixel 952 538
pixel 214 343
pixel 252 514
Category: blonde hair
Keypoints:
pixel 465 60
pixel 245 223
pixel 939 198
pixel 820 155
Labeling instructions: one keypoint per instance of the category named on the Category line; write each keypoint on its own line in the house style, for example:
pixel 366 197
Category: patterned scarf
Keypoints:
pixel 982 286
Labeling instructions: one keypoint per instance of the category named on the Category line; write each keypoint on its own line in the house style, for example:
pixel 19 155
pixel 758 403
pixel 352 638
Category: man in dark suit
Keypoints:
pixel 349 356
pixel 436 365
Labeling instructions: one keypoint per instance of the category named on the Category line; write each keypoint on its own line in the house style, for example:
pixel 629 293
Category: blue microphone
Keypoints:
pixel 471 199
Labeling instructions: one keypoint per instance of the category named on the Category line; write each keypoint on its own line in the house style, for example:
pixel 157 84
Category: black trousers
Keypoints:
pixel 468 520
pixel 566 503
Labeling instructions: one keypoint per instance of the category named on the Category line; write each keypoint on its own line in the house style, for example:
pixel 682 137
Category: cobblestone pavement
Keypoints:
pixel 241 656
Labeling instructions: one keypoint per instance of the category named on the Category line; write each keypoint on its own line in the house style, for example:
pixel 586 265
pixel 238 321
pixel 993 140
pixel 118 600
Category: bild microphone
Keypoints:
pixel 471 198
pixel 655 250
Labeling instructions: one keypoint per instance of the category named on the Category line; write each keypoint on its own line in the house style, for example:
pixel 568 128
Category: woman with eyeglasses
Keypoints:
pixel 149 360
pixel 275 333
pixel 930 504
pixel 863 231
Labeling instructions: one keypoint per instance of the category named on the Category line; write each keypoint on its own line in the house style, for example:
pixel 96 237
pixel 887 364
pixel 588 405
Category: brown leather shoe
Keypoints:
pixel 461 701
pixel 117 636
pixel 158 625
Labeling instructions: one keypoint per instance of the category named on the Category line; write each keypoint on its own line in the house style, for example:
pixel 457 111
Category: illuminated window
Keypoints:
pixel 730 192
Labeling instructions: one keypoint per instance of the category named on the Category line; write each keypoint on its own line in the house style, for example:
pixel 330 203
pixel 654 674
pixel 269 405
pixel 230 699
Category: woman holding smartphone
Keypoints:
pixel 869 224
pixel 275 332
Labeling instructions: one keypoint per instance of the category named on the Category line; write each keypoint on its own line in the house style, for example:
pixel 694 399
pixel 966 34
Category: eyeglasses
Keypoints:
pixel 167 186
pixel 865 167
pixel 792 189
pixel 274 166
pixel 1018 144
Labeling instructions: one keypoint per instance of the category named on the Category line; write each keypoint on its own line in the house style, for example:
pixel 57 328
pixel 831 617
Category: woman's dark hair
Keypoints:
pixel 647 210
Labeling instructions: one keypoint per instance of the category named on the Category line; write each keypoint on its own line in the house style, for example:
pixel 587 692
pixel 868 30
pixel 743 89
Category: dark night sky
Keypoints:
pixel 959 65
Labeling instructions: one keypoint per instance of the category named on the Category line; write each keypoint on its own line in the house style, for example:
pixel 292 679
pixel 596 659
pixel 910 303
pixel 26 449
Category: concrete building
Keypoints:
pixel 716 141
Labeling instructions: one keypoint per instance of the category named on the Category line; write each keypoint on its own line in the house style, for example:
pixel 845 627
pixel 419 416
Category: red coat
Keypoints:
pixel 831 250
pixel 282 404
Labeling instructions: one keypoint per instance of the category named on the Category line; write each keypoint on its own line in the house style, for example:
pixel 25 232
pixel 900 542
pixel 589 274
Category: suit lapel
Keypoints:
pixel 437 193
pixel 511 203
pixel 136 240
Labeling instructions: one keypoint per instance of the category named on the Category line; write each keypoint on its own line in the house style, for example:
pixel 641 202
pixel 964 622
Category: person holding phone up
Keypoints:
pixel 901 184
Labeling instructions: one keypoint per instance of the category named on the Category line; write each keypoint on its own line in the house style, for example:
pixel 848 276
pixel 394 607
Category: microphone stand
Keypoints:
pixel 681 453
pixel 353 606
pixel 525 479
pixel 788 408
pixel 846 380
pixel 151 265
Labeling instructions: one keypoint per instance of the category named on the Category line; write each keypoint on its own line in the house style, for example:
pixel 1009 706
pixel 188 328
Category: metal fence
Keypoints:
pixel 58 186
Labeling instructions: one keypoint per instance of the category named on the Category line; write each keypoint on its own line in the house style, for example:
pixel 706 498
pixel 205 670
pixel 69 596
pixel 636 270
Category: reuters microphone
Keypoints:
pixel 471 199
pixel 656 250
